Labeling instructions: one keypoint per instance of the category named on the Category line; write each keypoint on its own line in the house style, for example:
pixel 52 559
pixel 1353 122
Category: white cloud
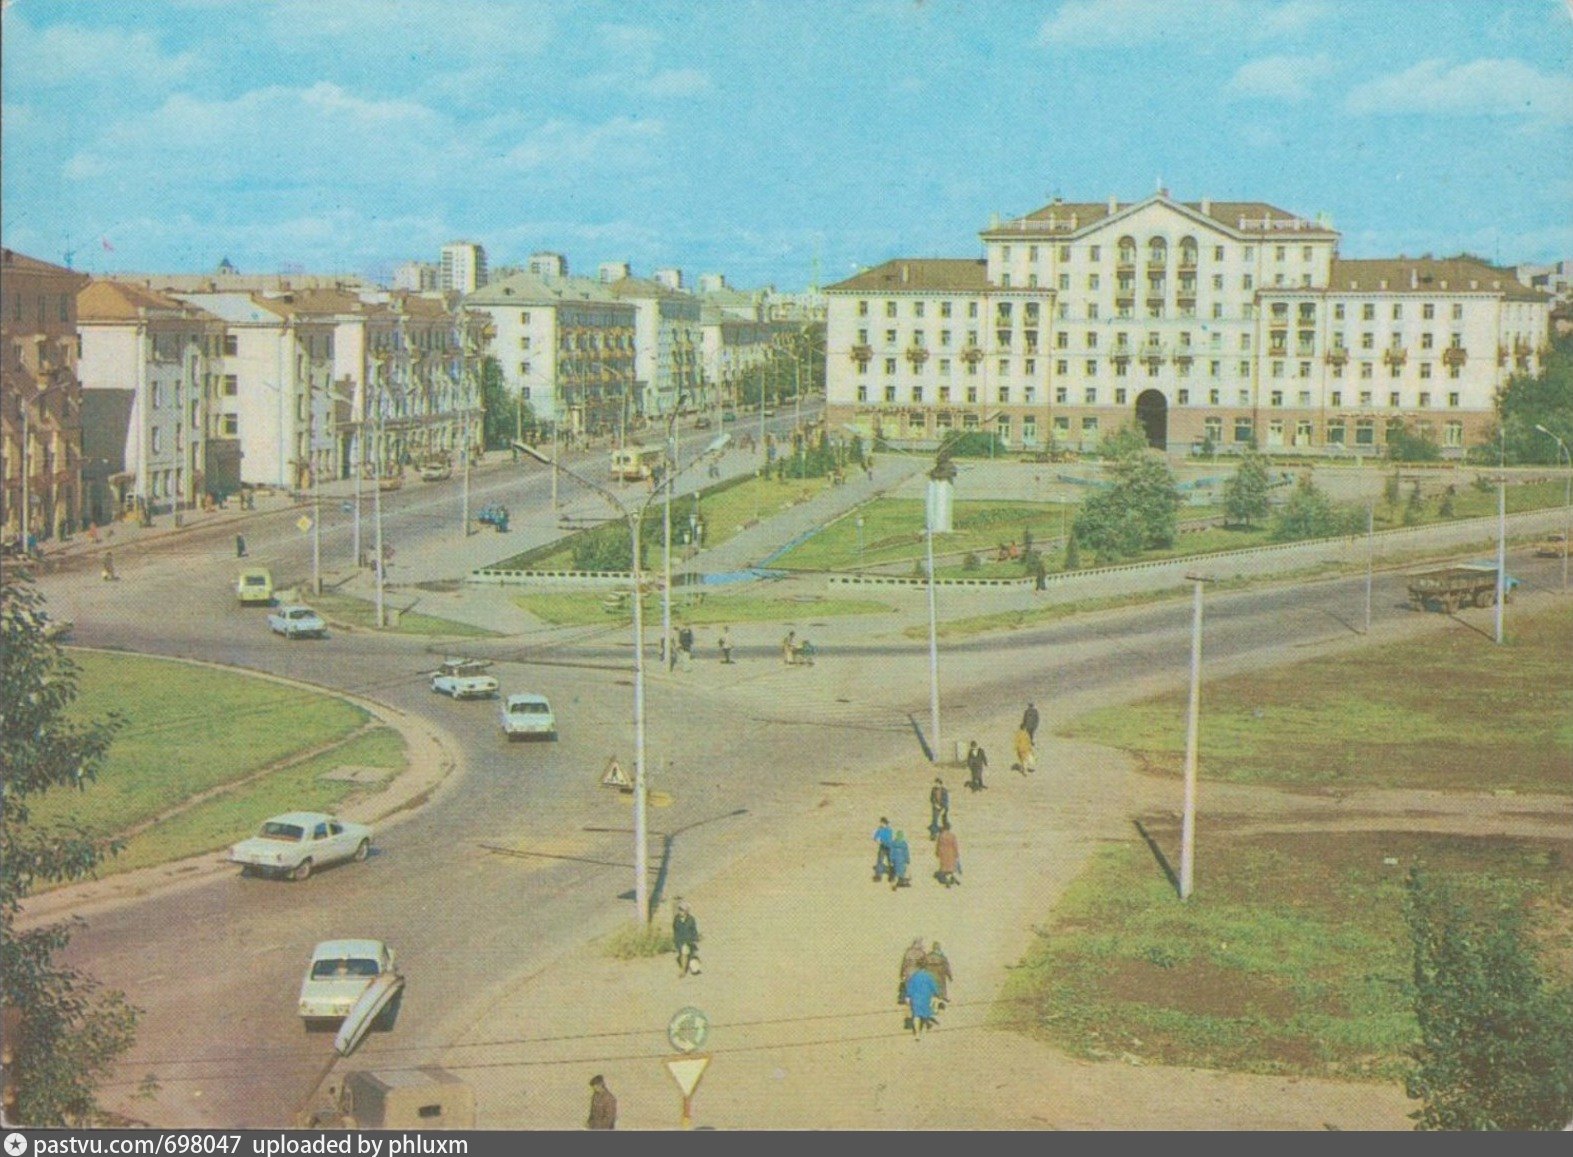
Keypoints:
pixel 678 82
pixel 1478 87
pixel 70 56
pixel 1287 78
pixel 1121 23
pixel 619 142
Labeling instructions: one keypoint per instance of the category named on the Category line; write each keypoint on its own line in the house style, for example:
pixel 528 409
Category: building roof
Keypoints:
pixel 121 301
pixel 532 289
pixel 239 308
pixel 1244 218
pixel 643 288
pixel 21 261
pixel 1427 275
pixel 919 275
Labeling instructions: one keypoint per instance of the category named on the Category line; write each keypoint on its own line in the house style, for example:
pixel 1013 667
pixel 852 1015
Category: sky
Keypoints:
pixel 779 142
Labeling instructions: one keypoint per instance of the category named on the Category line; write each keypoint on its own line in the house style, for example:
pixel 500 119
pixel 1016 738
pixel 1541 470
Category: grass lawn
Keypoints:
pixel 192 730
pixel 1446 711
pixel 570 608
pixel 1291 956
pixel 362 615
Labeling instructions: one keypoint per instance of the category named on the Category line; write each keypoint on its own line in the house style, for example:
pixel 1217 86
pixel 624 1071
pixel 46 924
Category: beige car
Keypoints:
pixel 1551 546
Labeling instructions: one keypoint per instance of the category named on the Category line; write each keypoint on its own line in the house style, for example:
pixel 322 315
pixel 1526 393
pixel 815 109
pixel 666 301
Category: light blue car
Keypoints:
pixel 297 622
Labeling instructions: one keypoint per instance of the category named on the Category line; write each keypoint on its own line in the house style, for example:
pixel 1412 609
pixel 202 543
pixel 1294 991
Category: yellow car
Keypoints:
pixel 255 585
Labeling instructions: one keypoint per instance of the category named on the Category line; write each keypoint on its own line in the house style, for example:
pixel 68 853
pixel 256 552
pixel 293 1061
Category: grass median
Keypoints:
pixel 1291 955
pixel 612 608
pixel 206 754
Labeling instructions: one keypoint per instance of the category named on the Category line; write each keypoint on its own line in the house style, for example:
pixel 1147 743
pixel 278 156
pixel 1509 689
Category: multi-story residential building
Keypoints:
pixel 40 397
pixel 668 342
pixel 729 346
pixel 415 276
pixel 566 348
pixel 546 264
pixel 274 397
pixel 462 268
pixel 151 367
pixel 1228 322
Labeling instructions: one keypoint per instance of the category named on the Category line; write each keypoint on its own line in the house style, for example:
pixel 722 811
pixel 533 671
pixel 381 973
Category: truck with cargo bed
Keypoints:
pixel 1449 588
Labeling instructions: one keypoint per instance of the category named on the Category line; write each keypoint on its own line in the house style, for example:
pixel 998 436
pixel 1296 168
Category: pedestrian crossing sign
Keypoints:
pixel 615 776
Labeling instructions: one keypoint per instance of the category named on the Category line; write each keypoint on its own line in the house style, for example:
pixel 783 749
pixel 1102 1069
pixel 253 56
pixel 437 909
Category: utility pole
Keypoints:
pixel 1370 551
pixel 1501 536
pixel 1192 728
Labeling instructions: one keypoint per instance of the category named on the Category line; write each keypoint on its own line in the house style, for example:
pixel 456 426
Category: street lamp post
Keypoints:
pixel 1567 502
pixel 1501 537
pixel 1192 727
pixel 634 515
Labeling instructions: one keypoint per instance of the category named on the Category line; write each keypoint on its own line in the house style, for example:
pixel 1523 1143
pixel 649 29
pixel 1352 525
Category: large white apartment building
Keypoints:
pixel 461 267
pixel 151 368
pixel 667 341
pixel 565 346
pixel 1230 321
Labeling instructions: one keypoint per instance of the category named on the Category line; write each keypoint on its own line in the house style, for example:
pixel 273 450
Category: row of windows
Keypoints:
pixel 1090 396
pixel 1157 251
pixel 46 303
pixel 1306 310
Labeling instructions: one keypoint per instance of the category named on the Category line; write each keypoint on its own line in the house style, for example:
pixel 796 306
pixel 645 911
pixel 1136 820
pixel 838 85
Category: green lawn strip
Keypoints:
pixel 233 814
pixel 188 729
pixel 585 609
pixel 1449 711
pixel 1291 956
pixel 361 614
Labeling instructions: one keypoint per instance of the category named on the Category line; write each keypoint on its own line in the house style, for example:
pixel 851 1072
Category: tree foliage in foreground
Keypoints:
pixel 1310 513
pixel 1496 1038
pixel 1140 511
pixel 71 1030
pixel 1245 495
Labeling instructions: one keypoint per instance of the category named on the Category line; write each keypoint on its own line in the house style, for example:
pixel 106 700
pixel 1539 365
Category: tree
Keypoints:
pixel 1496 1039
pixel 503 416
pixel 1545 399
pixel 1403 445
pixel 1245 494
pixel 71 1031
pixel 1140 511
pixel 1309 513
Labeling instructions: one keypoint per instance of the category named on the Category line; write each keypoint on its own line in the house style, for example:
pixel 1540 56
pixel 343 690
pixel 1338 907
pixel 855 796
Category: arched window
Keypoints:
pixel 1127 248
pixel 1157 251
pixel 1188 252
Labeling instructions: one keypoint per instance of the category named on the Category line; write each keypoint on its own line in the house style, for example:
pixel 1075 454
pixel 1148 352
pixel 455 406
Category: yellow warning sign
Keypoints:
pixel 304 523
pixel 615 776
pixel 687 1071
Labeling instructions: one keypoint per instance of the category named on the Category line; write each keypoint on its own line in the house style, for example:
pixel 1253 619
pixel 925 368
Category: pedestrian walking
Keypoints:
pixel 937 965
pixel 1026 757
pixel 948 851
pixel 240 546
pixel 900 862
pixel 921 990
pixel 939 807
pixel 911 960
pixel 109 566
pixel 724 644
pixel 603 1106
pixel 685 645
pixel 1029 721
pixel 977 760
pixel 685 939
pixel 883 835
pixel 789 649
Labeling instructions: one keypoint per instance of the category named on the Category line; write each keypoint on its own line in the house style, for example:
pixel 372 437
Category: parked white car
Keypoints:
pixel 527 716
pixel 339 974
pixel 464 679
pixel 297 843
pixel 297 622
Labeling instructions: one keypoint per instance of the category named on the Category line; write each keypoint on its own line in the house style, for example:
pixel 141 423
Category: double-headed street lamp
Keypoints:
pixel 635 518
pixel 1567 502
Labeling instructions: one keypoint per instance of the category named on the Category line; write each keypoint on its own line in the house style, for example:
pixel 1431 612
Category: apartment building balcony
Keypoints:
pixel 1454 356
pixel 1187 261
pixel 1395 355
pixel 862 354
pixel 1304 351
pixel 972 355
pixel 1337 356
pixel 917 355
pixel 1125 263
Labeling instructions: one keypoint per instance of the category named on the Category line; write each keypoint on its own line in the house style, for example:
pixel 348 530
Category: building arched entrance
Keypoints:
pixel 1152 411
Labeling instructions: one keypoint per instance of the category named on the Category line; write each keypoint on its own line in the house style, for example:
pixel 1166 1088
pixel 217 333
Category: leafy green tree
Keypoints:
pixel 1072 553
pixel 1140 511
pixel 607 546
pixel 1545 399
pixel 1245 495
pixel 1405 445
pixel 71 1030
pixel 1309 513
pixel 1496 1038
pixel 975 444
pixel 503 415
pixel 1445 508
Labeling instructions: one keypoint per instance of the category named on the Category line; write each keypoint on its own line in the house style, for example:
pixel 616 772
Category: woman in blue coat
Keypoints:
pixel 921 988
pixel 900 862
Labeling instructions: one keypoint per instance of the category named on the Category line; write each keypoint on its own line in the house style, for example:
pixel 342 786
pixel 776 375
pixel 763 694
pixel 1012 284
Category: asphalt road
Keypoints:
pixel 526 857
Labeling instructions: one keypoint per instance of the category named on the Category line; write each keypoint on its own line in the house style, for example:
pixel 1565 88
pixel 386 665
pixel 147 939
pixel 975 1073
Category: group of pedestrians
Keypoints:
pixel 924 988
pixel 893 855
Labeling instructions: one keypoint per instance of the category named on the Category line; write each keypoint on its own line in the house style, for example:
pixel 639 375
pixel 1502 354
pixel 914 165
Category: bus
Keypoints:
pixel 635 463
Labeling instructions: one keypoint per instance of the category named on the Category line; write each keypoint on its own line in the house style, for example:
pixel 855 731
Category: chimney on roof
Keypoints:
pixel 1414 278
pixel 1114 205
pixel 906 273
pixel 1207 206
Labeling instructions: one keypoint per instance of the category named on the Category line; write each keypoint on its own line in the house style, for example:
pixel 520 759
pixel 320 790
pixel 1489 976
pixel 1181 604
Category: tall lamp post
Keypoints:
pixel 635 518
pixel 1192 727
pixel 1567 502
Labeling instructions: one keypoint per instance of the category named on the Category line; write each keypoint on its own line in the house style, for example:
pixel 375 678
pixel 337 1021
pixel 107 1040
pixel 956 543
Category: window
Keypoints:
pixel 1305 397
pixel 1030 366
pixel 1276 398
pixel 1335 432
pixel 1004 366
pixel 1217 252
pixel 1212 396
pixel 890 366
pixel 1336 398
pixel 1398 311
pixel 917 309
pixel 917 395
pixel 1338 312
pixel 1004 281
pixel 1458 313
pixel 944 393
pixel 862 309
pixel 231 385
pixel 230 425
pixel 524 342
pixel 1365 432
pixel 1120 395
pixel 1065 252
pixel 1183 397
pixel 1278 369
pixel 1091 396
pixel 890 337
pixel 1065 281
pixel 1244 430
pixel 972 309
pixel 1428 311
pixel 1092 368
pixel 1095 253
pixel 157 440
pixel 1368 311
pixel 1452 399
pixel 890 309
pixel 524 367
pixel 1365 397
pixel 1392 399
pixel 862 337
pixel 1092 281
pixel 1247 282
pixel 1061 395
pixel 1089 427
pixel 944 367
pixel 972 394
pixel 231 344
pixel 1366 369
pixel 1062 367
pixel 862 392
pixel 1029 395
pixel 1215 370
pixel 1092 311
pixel 1427 341
pixel 944 309
pixel 1452 433
pixel 1279 252
pixel 1004 395
pixel 1032 253
pixel 1425 369
pixel 1425 399
pixel 890 393
pixel 1062 424
pixel 1368 340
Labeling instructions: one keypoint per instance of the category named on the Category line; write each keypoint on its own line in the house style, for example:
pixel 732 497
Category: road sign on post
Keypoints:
pixel 687 1071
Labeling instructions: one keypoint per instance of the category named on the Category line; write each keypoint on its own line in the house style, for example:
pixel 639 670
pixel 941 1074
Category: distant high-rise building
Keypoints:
pixel 671 278
pixel 548 264
pixel 416 276
pixel 611 271
pixel 463 267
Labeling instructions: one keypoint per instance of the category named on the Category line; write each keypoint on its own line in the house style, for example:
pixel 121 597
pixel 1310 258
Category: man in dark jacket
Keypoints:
pixel 685 938
pixel 1029 722
pixel 976 762
pixel 603 1106
pixel 939 808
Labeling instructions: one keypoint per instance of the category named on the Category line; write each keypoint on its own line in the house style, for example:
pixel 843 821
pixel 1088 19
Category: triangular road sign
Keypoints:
pixel 615 776
pixel 686 1071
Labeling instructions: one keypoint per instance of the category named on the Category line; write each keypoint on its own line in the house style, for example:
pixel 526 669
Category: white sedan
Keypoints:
pixel 297 843
pixel 527 716
pixel 339 974
pixel 297 623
